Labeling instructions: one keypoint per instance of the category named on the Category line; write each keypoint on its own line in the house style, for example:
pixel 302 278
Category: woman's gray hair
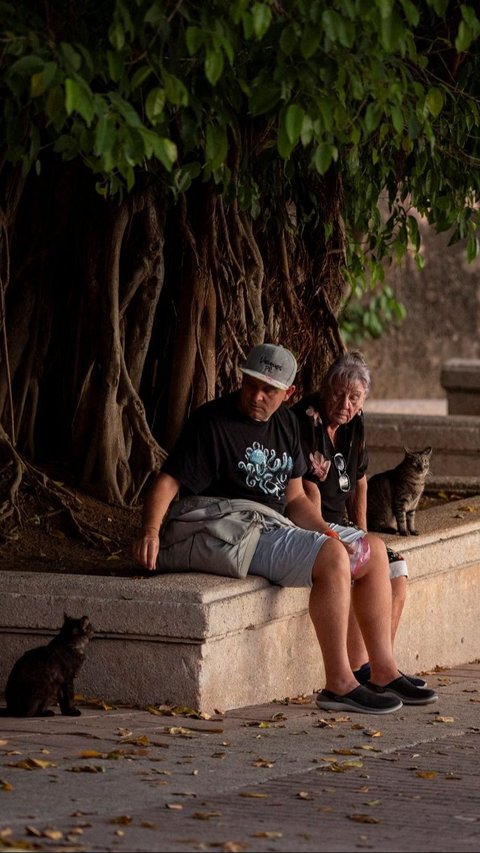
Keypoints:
pixel 348 368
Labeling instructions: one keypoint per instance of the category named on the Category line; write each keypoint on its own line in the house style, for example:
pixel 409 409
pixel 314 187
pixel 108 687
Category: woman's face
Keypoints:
pixel 343 402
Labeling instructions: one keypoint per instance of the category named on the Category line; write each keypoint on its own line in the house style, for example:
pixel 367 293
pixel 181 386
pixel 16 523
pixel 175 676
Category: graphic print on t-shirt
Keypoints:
pixel 265 470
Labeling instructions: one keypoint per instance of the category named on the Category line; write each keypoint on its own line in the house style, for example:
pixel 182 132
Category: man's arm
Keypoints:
pixel 357 504
pixel 313 493
pixel 303 507
pixel 157 502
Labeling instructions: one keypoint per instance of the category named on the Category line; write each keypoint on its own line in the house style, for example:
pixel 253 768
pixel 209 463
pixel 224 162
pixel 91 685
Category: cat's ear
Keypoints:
pixel 428 451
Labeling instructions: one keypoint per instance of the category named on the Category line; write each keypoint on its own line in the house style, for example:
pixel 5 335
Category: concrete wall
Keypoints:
pixel 443 321
pixel 217 643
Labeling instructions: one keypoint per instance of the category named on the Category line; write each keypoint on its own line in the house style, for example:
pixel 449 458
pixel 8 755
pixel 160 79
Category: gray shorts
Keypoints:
pixel 285 555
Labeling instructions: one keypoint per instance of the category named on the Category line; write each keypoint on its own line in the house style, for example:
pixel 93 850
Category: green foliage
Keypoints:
pixel 370 317
pixel 383 92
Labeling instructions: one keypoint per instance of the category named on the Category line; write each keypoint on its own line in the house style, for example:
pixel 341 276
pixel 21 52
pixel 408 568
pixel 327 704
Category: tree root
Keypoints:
pixel 27 495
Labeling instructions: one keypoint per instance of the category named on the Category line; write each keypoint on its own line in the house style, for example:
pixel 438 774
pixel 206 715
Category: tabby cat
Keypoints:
pixel 44 675
pixel 393 495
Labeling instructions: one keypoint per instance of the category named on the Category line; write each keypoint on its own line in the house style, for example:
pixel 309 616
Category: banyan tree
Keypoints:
pixel 180 180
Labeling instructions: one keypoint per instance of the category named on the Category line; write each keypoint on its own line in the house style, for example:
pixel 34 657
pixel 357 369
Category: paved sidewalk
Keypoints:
pixel 277 777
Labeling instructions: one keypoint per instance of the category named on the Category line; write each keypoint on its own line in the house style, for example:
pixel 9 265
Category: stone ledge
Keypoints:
pixel 460 377
pixel 212 642
pixel 455 440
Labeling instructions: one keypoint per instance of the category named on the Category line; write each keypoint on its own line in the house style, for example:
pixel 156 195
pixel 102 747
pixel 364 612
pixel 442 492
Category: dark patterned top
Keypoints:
pixel 320 452
pixel 222 452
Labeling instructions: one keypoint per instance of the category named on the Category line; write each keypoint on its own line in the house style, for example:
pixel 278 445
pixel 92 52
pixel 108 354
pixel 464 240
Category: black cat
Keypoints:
pixel 393 495
pixel 44 675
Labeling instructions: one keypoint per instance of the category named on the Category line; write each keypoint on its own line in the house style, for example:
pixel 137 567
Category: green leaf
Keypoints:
pixel 37 85
pixel 217 145
pixel 72 57
pixel 330 22
pixel 434 101
pixel 115 65
pixel 323 157
pixel 411 12
pixel 262 17
pixel 373 114
pixel 294 117
pixel 175 90
pixel 141 74
pixel 310 41
pixel 397 119
pixel 78 98
pixel 166 151
pixel 413 231
pixel 116 35
pixel 288 39
pixel 213 65
pixel 284 146
pixel 104 136
pixel 155 103
pixel 464 37
pixel 184 176
pixel 27 65
pixel 125 109
pixel 385 8
pixel 55 106
pixel 264 99
pixel 194 38
pixel 472 248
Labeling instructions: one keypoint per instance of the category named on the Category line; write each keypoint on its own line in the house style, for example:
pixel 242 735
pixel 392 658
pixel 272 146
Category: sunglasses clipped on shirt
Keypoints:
pixel 341 466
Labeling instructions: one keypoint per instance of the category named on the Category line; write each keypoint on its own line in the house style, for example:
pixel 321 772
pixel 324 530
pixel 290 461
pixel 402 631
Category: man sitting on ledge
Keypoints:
pixel 238 466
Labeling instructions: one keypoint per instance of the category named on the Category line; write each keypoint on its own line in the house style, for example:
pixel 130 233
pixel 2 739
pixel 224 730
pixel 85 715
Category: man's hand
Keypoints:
pixel 145 550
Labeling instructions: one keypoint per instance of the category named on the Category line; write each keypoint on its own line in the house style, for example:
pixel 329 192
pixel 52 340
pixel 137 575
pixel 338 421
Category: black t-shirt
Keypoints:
pixel 223 453
pixel 319 454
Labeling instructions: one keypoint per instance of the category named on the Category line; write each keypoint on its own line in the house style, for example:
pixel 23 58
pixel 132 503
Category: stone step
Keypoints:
pixel 218 643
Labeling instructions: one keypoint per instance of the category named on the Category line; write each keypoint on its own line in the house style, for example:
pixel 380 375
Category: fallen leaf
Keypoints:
pixel 444 719
pixel 342 766
pixel 363 818
pixel 345 752
pixel 206 815
pixel 123 819
pixel 33 764
pixel 141 740
pixel 32 830
pixel 267 834
pixel 87 768
pixel 426 774
pixel 94 702
pixel 90 753
pixel 174 806
pixel 262 762
pixel 5 786
pixel 255 794
pixel 304 795
pixel 53 834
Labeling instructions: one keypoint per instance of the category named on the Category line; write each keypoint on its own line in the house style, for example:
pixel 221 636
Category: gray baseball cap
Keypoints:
pixel 274 364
